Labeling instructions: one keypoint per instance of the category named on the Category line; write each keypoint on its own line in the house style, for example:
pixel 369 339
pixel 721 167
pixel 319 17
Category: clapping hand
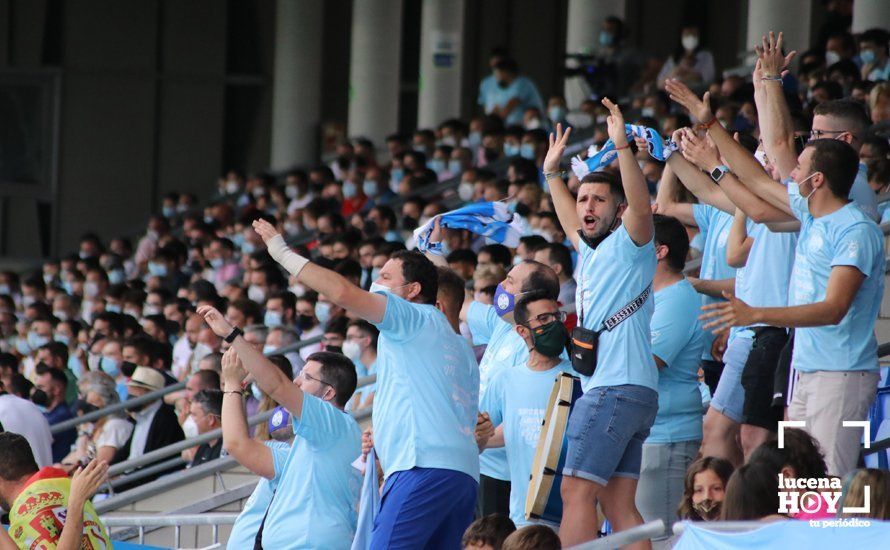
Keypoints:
pixel 724 315
pixel 232 369
pixel 698 108
pixel 87 480
pixel 699 151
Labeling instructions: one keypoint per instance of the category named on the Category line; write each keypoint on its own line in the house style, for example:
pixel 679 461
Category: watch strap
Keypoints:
pixel 236 332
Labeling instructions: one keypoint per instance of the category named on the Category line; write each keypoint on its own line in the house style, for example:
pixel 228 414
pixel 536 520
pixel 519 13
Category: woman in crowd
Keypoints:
pixel 100 439
pixel 690 63
pixel 878 483
pixel 705 489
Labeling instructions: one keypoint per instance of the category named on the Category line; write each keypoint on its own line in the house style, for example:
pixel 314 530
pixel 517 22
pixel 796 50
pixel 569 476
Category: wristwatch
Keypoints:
pixel 236 332
pixel 718 173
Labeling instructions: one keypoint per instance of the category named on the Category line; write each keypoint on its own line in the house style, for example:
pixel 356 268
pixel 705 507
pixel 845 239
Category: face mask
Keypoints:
pixel 533 124
pixel 369 188
pixel 87 408
pixel 150 310
pixel 75 366
pixel 708 509
pixel 91 289
pixel 527 151
pixel 801 183
pixel 466 191
pixel 511 150
pixel 47 278
pixel 62 338
pixel 267 349
pixel 40 399
pixel 168 211
pixel 291 191
pixel 256 293
pixel 216 263
pixel 350 189
pixel 94 361
pixel 867 57
pixel 4 288
pixel 504 302
pixel 21 346
pixel 272 319
pixel 110 366
pixel 305 322
pixel 556 113
pixel 447 140
pixel 831 57
pixel 396 175
pixel 377 287
pixel 606 38
pixel 503 84
pixel 113 308
pixel 647 112
pixel 297 290
pixel 352 349
pixel 60 315
pixel 550 339
pixel 323 312
pixel 256 391
pixel 436 165
pixel 231 186
pixel 454 167
pixel 116 277
pixel 689 41
pixel 36 341
pixel 157 270
pixel 474 139
pixel 248 248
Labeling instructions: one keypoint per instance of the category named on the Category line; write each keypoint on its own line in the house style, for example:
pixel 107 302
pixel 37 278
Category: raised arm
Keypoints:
pixel 637 217
pixel 703 153
pixel 699 184
pixel 84 484
pixel 249 452
pixel 269 377
pixel 738 159
pixel 563 201
pixel 665 200
pixel 367 305
pixel 776 128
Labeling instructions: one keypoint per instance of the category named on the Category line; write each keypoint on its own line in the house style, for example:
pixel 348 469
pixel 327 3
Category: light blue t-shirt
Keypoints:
pixel 863 195
pixel 517 398
pixel 846 237
pixel 361 371
pixel 678 340
pixel 491 95
pixel 427 392
pixel 505 349
pixel 609 278
pixel 318 489
pixel 248 522
pixel 715 224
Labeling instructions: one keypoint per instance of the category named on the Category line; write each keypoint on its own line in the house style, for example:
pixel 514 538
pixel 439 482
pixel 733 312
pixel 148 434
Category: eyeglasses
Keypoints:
pixel 547 318
pixel 817 134
pixel 308 376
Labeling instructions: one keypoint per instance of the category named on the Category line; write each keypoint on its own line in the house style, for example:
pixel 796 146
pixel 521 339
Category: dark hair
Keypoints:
pixel 57 350
pixel 288 300
pixel 751 493
pixel 209 378
pixel 462 255
pixel 508 65
pixel 533 243
pixel 283 364
pixel 560 254
pixel 720 466
pixel 851 112
pixel 417 268
pixel 876 36
pixel 251 310
pixel 338 371
pixel 20 386
pixel 16 458
pixel 8 360
pixel 532 537
pixel 499 253
pixel 543 279
pixel 671 233
pixel 879 144
pixel 838 162
pixel 366 328
pixel 613 181
pixel 451 287
pixel 56 374
pixel 801 452
pixel 520 312
pixel 210 401
pixel 489 530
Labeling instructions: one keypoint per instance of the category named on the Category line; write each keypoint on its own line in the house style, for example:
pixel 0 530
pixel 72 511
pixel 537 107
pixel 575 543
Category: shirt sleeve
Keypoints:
pixel 481 319
pixel 799 207
pixel 493 400
pixel 702 214
pixel 669 333
pixel 630 248
pixel 280 452
pixel 402 320
pixel 860 247
pixel 320 423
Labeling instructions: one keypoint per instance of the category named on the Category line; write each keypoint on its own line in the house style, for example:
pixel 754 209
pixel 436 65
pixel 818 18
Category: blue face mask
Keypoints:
pixel 350 189
pixel 323 312
pixel 527 151
pixel 62 338
pixel 511 150
pixel 396 175
pixel 113 308
pixel 110 366
pixel 36 340
pixel 504 302
pixel 369 188
pixel 454 167
pixel 436 165
pixel 474 139
pixel 267 349
pixel 556 113
pixel 216 263
pixel 168 211
pixel 74 365
pixel 157 270
pixel 248 248
pixel 867 56
pixel 21 346
pixel 116 276
pixel 606 38
pixel 272 319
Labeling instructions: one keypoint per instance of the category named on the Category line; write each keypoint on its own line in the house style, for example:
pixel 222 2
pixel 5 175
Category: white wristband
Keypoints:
pixel 281 253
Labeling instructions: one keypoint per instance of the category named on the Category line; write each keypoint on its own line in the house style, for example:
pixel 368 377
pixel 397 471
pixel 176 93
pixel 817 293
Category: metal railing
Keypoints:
pixel 629 536
pixel 140 522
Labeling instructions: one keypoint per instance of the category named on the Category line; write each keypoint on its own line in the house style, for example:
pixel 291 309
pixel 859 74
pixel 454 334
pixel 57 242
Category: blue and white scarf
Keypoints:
pixel 369 505
pixel 489 219
pixel 597 158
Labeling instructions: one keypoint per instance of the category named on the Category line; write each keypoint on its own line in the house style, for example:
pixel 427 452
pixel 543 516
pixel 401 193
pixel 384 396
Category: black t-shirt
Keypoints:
pixel 207 452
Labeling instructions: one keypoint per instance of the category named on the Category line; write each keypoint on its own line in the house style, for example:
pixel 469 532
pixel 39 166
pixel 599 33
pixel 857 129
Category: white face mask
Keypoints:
pixel 689 41
pixel 352 349
pixel 807 198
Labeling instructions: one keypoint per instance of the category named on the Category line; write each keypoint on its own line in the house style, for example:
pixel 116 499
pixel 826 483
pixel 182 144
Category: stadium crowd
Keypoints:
pixel 466 319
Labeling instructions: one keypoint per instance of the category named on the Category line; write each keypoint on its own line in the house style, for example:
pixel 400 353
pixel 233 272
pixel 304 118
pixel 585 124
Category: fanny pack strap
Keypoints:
pixel 632 307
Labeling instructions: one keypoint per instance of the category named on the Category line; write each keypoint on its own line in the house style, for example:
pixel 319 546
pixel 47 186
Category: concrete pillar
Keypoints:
pixel 792 17
pixel 374 69
pixel 296 88
pixel 441 61
pixel 585 19
pixel 868 14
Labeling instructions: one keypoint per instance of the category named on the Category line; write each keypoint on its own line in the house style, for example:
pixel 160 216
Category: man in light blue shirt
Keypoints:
pixel 677 341
pixel 610 224
pixel 314 505
pixel 836 290
pixel 492 325
pixel 509 94
pixel 516 399
pixel 427 396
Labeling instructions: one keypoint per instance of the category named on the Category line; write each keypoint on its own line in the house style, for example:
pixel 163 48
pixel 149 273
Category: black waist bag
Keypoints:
pixel 585 342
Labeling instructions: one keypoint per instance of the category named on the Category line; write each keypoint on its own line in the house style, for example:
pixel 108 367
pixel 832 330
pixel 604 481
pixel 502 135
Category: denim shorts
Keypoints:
pixel 729 398
pixel 606 431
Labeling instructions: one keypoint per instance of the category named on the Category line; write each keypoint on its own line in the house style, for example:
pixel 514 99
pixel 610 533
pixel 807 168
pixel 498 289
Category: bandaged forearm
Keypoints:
pixel 281 253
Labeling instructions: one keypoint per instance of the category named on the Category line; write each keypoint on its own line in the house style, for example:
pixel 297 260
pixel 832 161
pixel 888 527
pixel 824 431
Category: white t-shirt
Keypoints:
pixel 20 416
pixel 115 433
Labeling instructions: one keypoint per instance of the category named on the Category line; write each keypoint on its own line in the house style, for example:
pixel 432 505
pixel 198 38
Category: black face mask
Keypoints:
pixel 39 398
pixel 305 322
pixel 592 243
pixel 334 349
pixel 409 223
pixel 86 408
pixel 491 155
pixel 503 84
